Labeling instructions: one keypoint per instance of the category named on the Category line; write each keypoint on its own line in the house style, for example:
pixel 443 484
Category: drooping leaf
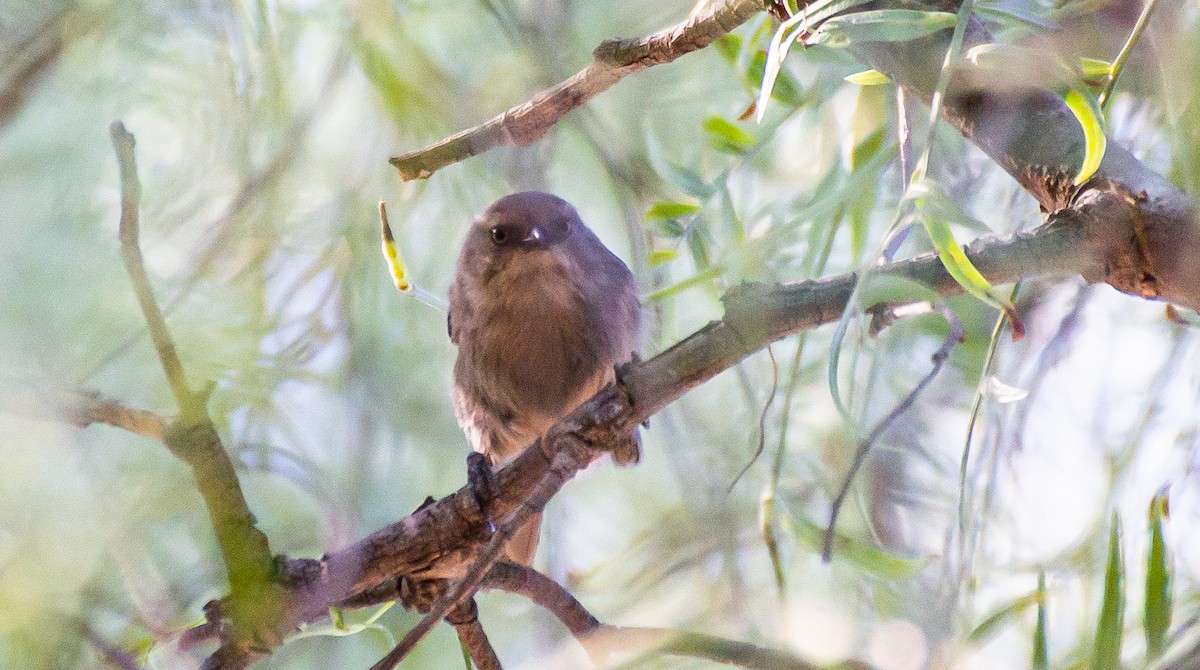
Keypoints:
pixel 1001 617
pixel 1087 112
pixel 869 558
pixel 786 88
pixel 781 43
pixel 930 208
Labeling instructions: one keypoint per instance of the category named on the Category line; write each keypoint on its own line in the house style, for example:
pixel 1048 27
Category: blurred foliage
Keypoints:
pixel 263 134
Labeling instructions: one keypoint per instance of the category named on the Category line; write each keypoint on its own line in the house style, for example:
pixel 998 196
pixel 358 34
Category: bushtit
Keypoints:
pixel 542 312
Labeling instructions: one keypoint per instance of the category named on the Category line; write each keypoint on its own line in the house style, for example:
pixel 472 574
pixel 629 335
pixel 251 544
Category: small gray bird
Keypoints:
pixel 542 312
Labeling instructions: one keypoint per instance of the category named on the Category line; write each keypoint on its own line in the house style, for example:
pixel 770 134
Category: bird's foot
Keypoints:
pixel 482 483
pixel 419 595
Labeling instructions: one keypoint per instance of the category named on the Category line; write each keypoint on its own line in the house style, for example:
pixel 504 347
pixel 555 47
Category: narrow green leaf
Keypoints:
pixel 729 46
pixel 1112 611
pixel 1093 68
pixel 689 181
pixel 1041 655
pixel 862 153
pixel 781 42
pixel 685 179
pixel 1087 112
pixel 466 656
pixel 880 25
pixel 671 210
pixel 724 136
pixel 868 78
pixel 695 280
pixel 1157 619
pixel 932 215
pixel 661 256
pixel 996 621
pixel 786 88
pixel 698 238
pixel 862 555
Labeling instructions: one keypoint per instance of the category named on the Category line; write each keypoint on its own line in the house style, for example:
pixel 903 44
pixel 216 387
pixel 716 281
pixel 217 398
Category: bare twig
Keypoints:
pixel 762 421
pixel 131 193
pixel 611 61
pixel 465 619
pixel 602 642
pixel 549 594
pixel 82 409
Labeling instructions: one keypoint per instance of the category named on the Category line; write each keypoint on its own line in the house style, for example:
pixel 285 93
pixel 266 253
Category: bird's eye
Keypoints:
pixel 499 235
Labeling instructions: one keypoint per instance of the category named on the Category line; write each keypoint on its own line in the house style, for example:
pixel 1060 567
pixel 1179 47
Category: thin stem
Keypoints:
pixel 1123 55
pixel 860 456
pixel 976 405
pixel 135 266
pixel 762 420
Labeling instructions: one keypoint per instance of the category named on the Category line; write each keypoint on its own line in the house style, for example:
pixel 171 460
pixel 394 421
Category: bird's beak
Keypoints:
pixel 535 234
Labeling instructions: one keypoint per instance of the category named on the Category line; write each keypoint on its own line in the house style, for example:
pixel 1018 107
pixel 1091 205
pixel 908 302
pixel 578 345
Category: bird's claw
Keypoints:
pixel 481 481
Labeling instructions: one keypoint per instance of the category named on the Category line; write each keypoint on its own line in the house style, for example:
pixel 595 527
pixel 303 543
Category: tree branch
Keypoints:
pixel 254 600
pixel 611 61
pixel 1146 230
pixel 545 592
pixel 81 409
pixel 465 619
pixel 135 267
pixel 603 642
